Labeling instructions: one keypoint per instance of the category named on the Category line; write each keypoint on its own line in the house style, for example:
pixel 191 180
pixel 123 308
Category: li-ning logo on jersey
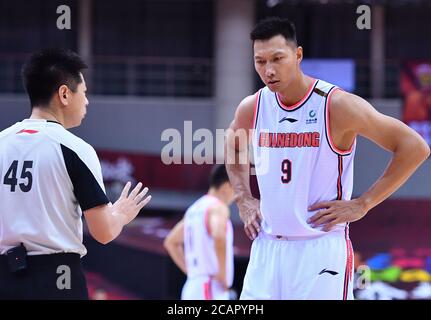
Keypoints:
pixel 291 120
pixel 289 140
pixel 312 117
pixel 27 131
pixel 333 273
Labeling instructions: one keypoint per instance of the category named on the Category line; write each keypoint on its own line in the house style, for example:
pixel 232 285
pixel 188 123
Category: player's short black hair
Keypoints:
pixel 45 71
pixel 273 26
pixel 218 176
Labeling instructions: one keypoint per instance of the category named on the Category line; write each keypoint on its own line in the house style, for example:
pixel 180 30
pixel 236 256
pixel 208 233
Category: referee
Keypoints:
pixel 48 177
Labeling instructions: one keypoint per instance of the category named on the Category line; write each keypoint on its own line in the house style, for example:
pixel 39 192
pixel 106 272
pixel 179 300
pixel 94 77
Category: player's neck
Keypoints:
pixel 296 91
pixel 46 113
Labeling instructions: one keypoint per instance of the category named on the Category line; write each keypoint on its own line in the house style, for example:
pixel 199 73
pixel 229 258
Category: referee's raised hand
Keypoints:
pixel 129 204
pixel 106 222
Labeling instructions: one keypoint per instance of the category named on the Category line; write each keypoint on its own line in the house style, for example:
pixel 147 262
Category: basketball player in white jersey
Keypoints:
pixel 304 141
pixel 201 244
pixel 48 177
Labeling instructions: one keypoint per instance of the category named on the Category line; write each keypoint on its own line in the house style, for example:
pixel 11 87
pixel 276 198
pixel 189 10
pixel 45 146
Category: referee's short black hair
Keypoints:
pixel 45 71
pixel 274 26
pixel 218 176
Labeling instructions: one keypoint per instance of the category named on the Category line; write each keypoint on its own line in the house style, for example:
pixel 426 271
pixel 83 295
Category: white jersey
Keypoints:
pixel 199 250
pixel 296 162
pixel 48 176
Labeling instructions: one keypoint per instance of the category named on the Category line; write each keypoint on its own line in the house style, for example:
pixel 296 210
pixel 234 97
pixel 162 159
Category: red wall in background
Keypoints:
pixel 153 172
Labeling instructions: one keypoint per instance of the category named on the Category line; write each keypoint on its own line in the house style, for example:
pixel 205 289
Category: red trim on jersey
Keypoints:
pixel 328 128
pixel 256 105
pixel 27 131
pixel 349 250
pixel 207 290
pixel 339 183
pixel 309 91
pixel 207 223
pixel 348 274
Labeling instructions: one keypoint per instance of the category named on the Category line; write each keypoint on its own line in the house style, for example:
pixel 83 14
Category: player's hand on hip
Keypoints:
pixel 249 211
pixel 335 212
pixel 222 281
pixel 129 204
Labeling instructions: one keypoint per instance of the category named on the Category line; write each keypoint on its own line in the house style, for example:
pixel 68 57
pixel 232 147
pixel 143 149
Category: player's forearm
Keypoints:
pixel 237 163
pixel 238 170
pixel 220 249
pixel 406 159
pixel 239 175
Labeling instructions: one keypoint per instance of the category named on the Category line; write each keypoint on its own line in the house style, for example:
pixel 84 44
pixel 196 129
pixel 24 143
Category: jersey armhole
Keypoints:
pixel 207 222
pixel 331 143
pixel 256 109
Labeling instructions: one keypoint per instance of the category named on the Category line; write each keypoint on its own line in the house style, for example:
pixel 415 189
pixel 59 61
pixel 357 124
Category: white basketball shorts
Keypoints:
pixel 296 269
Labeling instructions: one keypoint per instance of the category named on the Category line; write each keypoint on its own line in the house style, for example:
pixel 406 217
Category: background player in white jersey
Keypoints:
pixel 304 141
pixel 48 178
pixel 201 244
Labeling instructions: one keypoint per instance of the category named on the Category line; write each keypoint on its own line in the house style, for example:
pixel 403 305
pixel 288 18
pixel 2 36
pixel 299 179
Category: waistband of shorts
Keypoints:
pixel 299 238
pixel 47 259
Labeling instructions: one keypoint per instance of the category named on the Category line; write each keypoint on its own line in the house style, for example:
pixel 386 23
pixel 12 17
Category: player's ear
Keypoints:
pixel 299 54
pixel 63 94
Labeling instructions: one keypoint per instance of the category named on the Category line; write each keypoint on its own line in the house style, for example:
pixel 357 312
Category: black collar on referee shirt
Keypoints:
pixel 53 121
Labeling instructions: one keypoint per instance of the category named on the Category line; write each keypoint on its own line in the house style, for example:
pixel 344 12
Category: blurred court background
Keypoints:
pixel 156 64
